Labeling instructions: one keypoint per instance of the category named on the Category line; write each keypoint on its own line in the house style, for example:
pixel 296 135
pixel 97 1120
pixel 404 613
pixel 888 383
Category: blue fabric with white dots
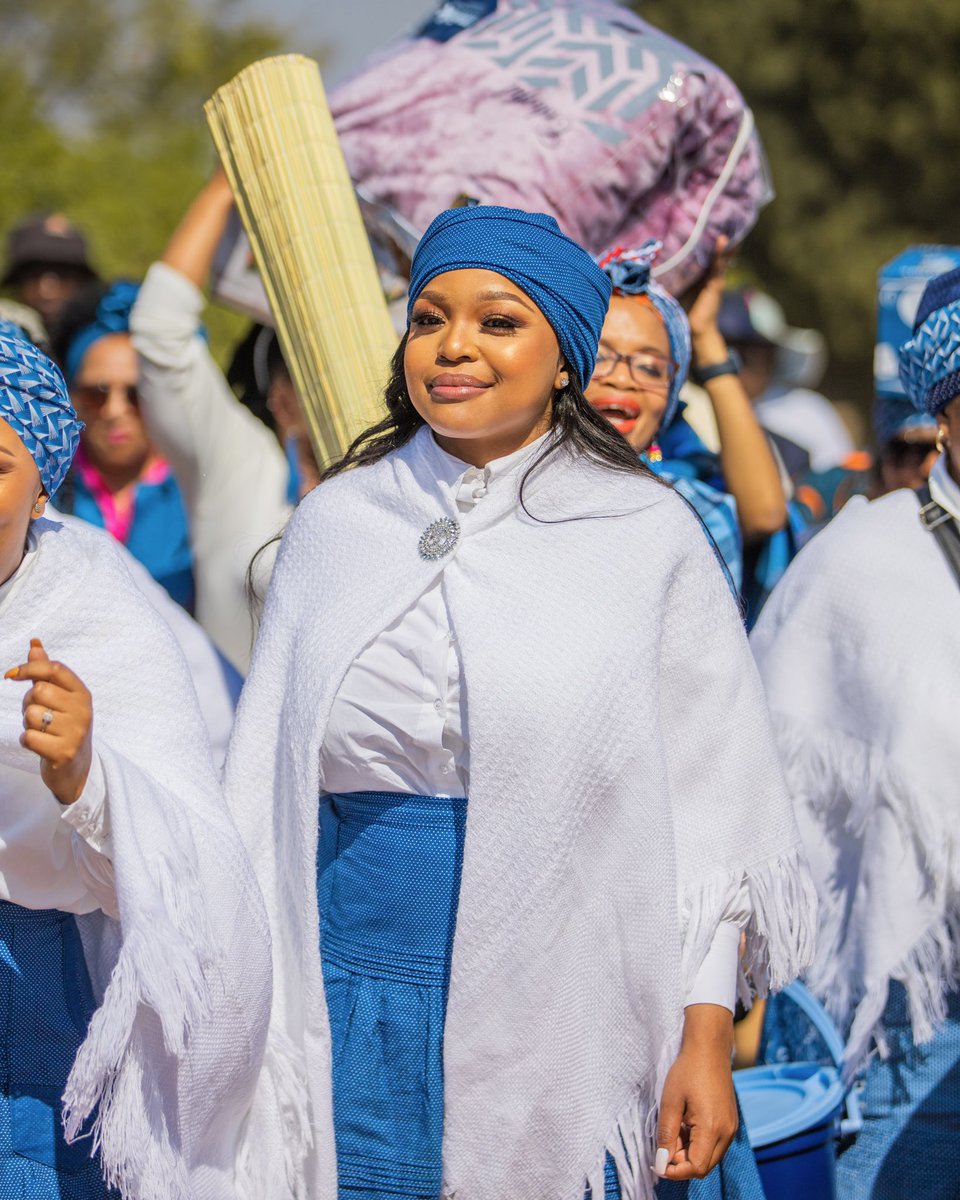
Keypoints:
pixel 558 275
pixel 47 1003
pixel 388 883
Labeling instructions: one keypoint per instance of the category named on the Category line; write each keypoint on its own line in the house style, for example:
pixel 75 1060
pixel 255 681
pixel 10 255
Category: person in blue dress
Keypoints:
pixel 117 481
pixel 502 763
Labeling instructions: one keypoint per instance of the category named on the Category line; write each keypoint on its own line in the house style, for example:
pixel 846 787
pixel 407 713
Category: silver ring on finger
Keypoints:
pixel 46 719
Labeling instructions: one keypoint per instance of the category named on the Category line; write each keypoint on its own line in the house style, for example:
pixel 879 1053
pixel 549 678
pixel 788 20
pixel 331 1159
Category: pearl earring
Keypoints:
pixel 942 442
pixel 38 507
pixel 564 381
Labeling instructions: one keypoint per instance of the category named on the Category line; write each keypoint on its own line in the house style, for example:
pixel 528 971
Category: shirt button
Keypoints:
pixel 444 770
pixel 438 705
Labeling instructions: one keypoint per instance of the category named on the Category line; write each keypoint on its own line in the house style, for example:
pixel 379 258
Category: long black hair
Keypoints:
pixel 572 420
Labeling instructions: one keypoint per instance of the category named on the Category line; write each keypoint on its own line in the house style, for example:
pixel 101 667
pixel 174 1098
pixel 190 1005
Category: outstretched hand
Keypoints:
pixel 698 1109
pixel 57 722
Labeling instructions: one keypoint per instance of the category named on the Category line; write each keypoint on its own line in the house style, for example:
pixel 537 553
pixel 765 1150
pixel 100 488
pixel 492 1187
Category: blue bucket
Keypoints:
pixel 793 1112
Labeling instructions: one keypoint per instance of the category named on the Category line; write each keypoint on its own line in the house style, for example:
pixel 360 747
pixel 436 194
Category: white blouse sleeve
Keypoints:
pixel 716 981
pixel 89 819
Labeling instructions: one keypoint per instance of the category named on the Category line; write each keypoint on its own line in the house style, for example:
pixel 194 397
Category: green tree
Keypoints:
pixel 103 116
pixel 856 102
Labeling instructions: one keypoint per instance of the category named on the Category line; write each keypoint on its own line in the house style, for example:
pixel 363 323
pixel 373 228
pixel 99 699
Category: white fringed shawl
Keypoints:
pixel 623 784
pixel 860 652
pixel 183 978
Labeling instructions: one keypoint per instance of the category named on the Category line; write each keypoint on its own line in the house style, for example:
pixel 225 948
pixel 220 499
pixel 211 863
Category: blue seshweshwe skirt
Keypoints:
pixel 388 882
pixel 47 1004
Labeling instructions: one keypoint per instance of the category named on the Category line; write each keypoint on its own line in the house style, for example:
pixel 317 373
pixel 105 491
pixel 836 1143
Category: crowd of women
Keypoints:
pixel 446 870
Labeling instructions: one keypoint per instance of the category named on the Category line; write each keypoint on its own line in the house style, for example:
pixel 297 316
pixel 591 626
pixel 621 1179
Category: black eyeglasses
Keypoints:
pixel 647 370
pixel 95 395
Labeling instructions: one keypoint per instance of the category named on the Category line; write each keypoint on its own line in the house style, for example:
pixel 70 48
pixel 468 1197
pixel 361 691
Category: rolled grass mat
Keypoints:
pixel 278 145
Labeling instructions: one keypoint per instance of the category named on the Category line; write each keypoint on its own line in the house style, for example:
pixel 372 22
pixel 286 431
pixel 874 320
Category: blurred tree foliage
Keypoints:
pixel 857 104
pixel 101 108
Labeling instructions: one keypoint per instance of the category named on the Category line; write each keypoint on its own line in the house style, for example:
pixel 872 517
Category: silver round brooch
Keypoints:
pixel 438 539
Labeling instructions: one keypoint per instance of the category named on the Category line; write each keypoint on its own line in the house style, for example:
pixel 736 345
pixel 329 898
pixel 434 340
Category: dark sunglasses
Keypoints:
pixel 95 395
pixel 901 453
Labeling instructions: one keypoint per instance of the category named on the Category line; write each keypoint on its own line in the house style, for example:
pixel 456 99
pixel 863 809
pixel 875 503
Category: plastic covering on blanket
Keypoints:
pixel 582 110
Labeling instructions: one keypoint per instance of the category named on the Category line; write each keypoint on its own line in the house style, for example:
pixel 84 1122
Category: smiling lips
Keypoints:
pixel 448 387
pixel 620 411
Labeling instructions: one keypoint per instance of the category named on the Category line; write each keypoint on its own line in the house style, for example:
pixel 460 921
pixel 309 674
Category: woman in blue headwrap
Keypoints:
pixel 860 652
pixel 118 482
pixel 492 597
pixel 645 355
pixel 135 1003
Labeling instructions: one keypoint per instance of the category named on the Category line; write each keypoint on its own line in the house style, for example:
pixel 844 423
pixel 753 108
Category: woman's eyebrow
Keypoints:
pixel 438 298
pixel 502 295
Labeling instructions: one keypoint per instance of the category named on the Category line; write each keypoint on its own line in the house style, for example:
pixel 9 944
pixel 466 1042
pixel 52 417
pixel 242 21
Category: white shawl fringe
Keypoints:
pixel 779 944
pixel 162 967
pixel 282 1096
pixel 781 934
pixel 848 780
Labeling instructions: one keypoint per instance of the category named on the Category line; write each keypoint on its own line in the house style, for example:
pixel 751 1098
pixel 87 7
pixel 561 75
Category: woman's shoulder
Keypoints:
pixel 84 587
pixel 863 526
pixel 646 501
pixel 91 557
pixel 870 548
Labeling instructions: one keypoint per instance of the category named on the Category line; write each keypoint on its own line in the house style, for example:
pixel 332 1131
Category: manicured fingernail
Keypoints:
pixel 34 642
pixel 662 1161
pixel 12 673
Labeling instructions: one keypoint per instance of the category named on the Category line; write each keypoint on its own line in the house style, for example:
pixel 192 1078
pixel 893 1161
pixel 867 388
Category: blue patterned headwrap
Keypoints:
pixel 930 360
pixel 113 316
pixel 559 276
pixel 35 403
pixel 629 272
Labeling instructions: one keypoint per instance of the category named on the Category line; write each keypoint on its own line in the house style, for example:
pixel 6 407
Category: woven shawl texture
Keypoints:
pixel 623 782
pixel 859 651
pixel 182 979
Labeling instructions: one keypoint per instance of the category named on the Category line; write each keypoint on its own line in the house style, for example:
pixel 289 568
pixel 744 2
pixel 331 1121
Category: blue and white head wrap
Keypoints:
pixel 35 403
pixel 629 272
pixel 559 276
pixel 930 360
pixel 113 316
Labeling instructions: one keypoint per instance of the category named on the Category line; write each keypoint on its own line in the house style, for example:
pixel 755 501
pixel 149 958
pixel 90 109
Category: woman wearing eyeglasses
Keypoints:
pixel 646 350
pixel 118 482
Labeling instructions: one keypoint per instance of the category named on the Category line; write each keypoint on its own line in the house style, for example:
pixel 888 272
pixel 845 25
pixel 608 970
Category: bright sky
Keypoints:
pixel 351 28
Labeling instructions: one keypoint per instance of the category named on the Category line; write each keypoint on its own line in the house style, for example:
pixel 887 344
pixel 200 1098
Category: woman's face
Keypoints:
pixel 20 491
pixel 632 397
pixel 104 393
pixel 949 421
pixel 482 365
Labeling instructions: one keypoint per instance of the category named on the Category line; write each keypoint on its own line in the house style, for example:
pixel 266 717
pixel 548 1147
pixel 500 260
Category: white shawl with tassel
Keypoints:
pixel 183 978
pixel 859 649
pixel 623 784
